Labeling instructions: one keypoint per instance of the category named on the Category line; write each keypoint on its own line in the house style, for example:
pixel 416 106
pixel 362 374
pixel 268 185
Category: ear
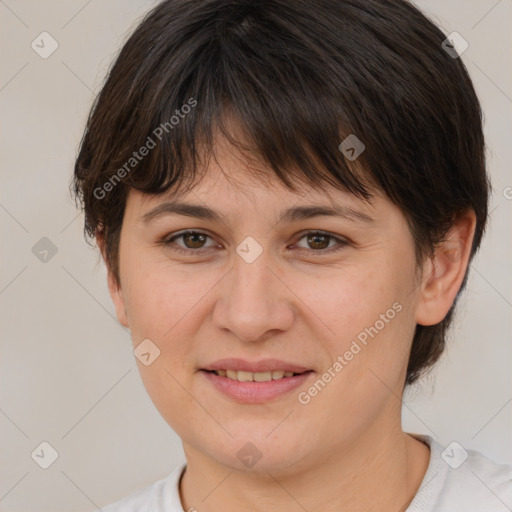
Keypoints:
pixel 114 287
pixel 444 272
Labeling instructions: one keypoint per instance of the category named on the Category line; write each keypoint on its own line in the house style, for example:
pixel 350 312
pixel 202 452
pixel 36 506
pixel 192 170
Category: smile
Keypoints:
pixel 244 376
pixel 255 382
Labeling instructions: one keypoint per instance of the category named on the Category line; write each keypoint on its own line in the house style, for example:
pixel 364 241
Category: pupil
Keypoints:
pixel 313 241
pixel 195 244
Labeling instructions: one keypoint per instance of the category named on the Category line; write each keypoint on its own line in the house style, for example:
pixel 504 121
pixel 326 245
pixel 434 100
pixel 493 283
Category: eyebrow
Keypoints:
pixel 293 214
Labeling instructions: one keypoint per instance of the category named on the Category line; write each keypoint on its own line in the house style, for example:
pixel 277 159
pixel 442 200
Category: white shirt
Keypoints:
pixel 452 483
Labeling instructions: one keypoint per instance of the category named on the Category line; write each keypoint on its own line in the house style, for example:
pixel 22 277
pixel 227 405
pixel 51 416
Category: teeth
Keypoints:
pixel 232 374
pixel 262 376
pixel 242 376
pixel 245 376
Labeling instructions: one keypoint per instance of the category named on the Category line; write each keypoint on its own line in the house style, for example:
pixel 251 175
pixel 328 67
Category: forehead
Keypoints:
pixel 233 178
pixel 216 198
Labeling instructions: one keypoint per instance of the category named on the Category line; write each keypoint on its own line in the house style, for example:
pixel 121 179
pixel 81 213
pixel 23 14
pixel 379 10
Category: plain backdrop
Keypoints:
pixel 68 372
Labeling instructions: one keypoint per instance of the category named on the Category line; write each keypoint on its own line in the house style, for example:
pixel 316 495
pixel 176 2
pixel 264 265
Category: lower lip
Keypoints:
pixel 255 392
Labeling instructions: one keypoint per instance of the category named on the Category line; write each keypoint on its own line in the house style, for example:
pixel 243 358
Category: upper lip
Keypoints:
pixel 264 365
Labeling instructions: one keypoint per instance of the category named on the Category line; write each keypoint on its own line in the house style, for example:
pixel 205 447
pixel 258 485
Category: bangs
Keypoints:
pixel 274 96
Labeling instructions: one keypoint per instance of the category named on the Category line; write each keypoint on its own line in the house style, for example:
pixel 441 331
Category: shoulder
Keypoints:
pixel 460 479
pixel 484 481
pixel 160 496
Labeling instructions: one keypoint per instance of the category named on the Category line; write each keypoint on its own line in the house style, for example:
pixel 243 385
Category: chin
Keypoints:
pixel 253 451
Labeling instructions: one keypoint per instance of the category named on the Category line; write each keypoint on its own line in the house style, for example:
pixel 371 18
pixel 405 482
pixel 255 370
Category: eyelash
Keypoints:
pixel 168 243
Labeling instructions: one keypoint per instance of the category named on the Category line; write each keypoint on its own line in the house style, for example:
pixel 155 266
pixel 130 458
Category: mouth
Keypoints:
pixel 244 376
pixel 255 382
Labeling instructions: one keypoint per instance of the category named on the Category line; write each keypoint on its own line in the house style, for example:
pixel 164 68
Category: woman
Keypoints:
pixel 287 196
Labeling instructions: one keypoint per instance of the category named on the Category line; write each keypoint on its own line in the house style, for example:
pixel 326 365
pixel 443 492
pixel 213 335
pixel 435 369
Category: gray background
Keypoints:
pixel 68 372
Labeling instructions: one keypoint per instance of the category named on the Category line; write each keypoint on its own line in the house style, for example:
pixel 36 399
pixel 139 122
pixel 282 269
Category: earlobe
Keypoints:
pixel 114 287
pixel 444 272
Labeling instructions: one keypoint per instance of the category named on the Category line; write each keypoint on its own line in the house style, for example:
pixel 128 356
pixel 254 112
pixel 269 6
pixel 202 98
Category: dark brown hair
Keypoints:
pixel 297 77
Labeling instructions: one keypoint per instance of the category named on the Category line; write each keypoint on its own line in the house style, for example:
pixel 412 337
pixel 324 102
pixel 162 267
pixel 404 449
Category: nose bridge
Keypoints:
pixel 253 299
pixel 252 279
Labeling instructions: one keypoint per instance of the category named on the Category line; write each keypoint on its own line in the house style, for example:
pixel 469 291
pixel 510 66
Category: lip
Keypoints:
pixel 265 365
pixel 255 392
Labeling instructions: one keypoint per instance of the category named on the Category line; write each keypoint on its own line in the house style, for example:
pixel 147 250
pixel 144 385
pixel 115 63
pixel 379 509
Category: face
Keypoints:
pixel 331 300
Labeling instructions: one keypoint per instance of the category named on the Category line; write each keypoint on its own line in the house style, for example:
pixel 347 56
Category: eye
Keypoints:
pixel 193 241
pixel 319 241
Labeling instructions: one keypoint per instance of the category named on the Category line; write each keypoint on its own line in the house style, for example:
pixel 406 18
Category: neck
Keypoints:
pixel 376 472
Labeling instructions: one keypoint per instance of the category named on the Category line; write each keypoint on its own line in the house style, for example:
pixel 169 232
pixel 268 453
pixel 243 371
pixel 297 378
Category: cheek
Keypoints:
pixel 369 313
pixel 366 317
pixel 159 297
pixel 162 304
pixel 351 299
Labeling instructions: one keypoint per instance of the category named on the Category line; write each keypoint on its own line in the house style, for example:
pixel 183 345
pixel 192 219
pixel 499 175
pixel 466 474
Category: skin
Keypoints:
pixel 345 449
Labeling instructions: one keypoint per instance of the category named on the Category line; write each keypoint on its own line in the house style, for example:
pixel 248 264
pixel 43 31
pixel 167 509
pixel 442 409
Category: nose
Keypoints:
pixel 253 303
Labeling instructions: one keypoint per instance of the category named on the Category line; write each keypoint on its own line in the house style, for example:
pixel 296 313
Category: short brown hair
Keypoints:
pixel 298 77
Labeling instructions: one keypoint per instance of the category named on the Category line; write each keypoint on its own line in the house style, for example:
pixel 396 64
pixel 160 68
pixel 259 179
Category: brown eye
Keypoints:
pixel 318 241
pixel 321 243
pixel 194 240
